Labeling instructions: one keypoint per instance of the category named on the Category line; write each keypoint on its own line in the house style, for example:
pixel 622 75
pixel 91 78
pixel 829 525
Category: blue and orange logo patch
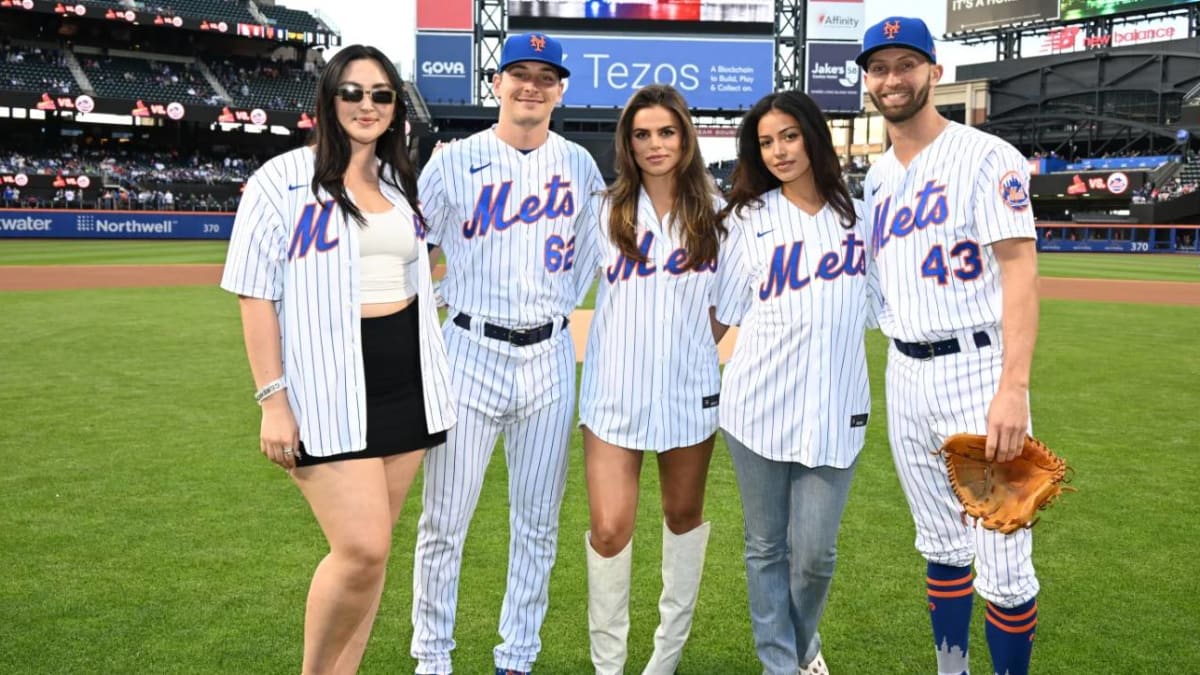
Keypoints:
pixel 891 29
pixel 1014 192
pixel 538 42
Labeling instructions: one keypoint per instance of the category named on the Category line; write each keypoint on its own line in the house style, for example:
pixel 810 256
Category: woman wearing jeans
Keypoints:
pixel 795 396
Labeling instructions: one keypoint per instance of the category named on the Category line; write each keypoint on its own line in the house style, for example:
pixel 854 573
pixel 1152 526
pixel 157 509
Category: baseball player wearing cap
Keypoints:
pixel 503 205
pixel 954 244
pixel 651 378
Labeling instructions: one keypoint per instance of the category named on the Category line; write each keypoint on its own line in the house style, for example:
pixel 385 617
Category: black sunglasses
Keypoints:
pixel 352 93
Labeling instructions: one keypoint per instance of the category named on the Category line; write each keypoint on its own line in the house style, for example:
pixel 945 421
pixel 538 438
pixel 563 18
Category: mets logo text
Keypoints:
pixel 891 29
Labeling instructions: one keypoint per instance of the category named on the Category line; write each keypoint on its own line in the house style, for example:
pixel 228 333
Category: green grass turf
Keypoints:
pixel 143 532
pixel 1158 267
pixel 109 252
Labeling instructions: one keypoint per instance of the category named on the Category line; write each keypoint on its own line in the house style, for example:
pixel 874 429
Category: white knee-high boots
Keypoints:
pixel 682 566
pixel 608 607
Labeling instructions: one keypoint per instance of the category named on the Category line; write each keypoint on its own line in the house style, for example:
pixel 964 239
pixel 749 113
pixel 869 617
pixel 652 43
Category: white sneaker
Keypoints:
pixel 817 667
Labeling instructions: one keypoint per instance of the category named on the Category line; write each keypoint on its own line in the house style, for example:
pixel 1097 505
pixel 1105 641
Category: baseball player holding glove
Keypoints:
pixel 954 244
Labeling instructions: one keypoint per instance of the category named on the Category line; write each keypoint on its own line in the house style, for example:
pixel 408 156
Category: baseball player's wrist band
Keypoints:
pixel 268 389
pixel 520 338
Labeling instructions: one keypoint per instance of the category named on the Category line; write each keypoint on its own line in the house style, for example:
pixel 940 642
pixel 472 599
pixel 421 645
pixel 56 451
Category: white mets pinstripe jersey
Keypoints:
pixel 506 221
pixel 651 378
pixel 933 224
pixel 796 387
pixel 287 248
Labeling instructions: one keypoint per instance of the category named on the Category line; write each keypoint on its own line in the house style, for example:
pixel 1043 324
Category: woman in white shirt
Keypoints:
pixel 650 380
pixel 793 275
pixel 328 259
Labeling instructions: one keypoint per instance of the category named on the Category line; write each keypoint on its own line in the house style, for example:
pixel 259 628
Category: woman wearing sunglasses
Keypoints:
pixel 330 266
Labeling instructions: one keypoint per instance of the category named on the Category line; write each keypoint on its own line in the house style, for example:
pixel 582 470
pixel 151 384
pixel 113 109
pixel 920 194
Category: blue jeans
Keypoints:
pixel 792 515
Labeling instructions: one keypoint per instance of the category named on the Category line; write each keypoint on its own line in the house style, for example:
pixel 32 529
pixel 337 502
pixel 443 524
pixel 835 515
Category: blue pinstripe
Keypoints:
pixel 930 400
pixel 318 303
pixel 498 271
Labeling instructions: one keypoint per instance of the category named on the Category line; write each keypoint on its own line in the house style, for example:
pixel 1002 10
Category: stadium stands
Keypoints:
pixel 291 19
pixel 259 83
pixel 33 68
pixel 140 78
pixel 228 10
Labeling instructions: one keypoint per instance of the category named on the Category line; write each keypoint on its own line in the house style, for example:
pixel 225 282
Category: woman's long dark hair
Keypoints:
pixel 751 177
pixel 692 208
pixel 332 145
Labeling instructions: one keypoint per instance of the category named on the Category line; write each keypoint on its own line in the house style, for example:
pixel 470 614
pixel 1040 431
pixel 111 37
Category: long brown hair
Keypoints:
pixel 332 145
pixel 752 179
pixel 692 209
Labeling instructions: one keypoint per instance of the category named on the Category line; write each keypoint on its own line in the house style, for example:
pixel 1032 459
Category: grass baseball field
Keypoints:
pixel 142 532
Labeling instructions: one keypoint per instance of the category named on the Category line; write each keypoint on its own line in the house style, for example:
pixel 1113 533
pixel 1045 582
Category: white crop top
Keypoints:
pixel 387 249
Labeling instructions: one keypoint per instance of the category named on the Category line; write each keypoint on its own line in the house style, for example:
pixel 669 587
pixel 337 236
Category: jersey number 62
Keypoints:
pixel 560 255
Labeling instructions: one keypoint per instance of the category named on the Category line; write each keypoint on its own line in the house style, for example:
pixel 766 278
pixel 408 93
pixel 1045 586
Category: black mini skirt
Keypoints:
pixel 395 392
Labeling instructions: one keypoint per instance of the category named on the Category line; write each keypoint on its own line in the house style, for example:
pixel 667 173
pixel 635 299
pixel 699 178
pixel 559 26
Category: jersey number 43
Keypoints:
pixel 965 262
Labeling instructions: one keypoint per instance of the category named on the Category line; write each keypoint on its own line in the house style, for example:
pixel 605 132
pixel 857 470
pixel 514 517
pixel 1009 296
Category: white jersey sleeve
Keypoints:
pixel 431 190
pixel 589 241
pixel 1000 203
pixel 258 246
pixel 736 273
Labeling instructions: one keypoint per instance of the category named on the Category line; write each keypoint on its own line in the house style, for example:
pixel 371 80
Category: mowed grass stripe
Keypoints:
pixel 1159 267
pixel 143 532
pixel 1130 266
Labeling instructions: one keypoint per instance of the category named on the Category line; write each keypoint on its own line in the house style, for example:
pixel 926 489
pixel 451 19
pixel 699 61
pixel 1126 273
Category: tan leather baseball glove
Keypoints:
pixel 1003 496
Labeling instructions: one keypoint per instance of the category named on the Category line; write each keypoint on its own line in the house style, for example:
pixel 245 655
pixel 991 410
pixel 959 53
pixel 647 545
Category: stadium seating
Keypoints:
pixel 123 77
pixel 292 19
pixel 264 84
pixel 36 69
pixel 227 10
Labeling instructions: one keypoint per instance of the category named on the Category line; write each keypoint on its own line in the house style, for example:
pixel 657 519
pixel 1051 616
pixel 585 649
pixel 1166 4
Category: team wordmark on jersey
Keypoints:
pixel 624 267
pixel 489 207
pixel 931 209
pixel 785 266
pixel 312 228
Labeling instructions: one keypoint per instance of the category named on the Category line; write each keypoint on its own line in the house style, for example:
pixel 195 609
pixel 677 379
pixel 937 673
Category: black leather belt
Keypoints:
pixel 519 337
pixel 928 350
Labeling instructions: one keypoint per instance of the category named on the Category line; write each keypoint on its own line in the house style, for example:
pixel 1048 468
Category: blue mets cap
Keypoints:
pixel 533 47
pixel 897 31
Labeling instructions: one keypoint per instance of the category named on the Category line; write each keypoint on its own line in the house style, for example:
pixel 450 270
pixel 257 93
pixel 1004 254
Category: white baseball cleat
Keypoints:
pixel 816 667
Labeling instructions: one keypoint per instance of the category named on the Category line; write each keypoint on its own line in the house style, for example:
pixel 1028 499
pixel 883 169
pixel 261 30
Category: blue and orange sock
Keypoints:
pixel 950 592
pixel 1010 636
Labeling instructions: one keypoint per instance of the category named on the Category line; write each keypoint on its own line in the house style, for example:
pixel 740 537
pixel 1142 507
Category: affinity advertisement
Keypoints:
pixel 836 20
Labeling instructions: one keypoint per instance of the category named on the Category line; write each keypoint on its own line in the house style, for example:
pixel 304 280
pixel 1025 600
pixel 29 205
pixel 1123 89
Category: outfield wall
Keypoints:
pixel 70 224
pixel 1118 238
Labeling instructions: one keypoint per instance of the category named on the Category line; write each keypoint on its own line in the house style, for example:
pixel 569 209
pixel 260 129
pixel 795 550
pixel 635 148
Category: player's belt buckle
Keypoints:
pixel 928 352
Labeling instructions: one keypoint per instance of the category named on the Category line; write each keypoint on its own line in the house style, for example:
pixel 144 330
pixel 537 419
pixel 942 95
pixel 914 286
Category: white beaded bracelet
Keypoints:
pixel 269 389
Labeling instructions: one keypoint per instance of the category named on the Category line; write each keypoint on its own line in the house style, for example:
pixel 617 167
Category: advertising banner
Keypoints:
pixel 60 224
pixel 445 15
pixel 168 109
pixel 711 74
pixel 144 15
pixel 1087 185
pixel 446 67
pixel 1088 9
pixel 973 15
pixel 836 20
pixel 833 79
pixel 743 11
